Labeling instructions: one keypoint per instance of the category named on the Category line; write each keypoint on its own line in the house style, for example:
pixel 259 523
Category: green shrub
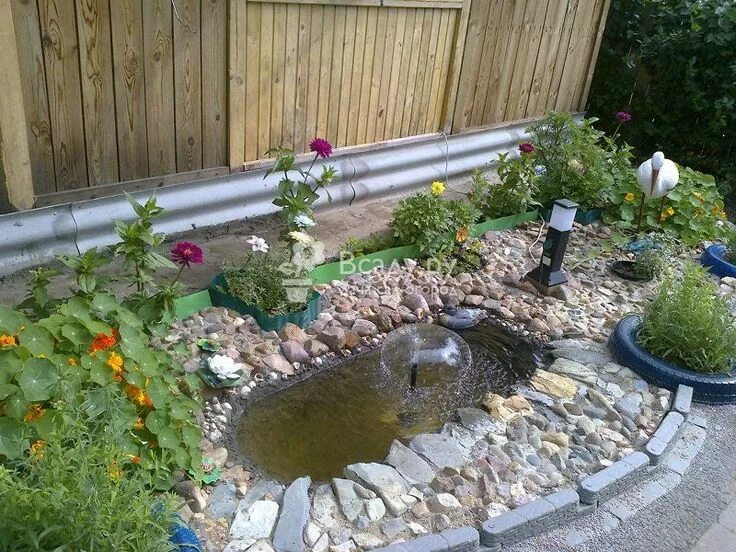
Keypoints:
pixel 693 210
pixel 92 357
pixel 374 243
pixel 730 239
pixel 430 221
pixel 689 324
pixel 573 162
pixel 512 195
pixel 670 63
pixel 77 492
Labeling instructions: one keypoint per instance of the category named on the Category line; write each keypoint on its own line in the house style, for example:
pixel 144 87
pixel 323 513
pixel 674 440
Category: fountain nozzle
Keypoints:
pixel 414 371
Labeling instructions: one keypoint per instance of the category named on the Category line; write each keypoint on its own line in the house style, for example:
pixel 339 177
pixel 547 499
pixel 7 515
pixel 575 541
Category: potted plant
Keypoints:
pixel 721 258
pixel 687 335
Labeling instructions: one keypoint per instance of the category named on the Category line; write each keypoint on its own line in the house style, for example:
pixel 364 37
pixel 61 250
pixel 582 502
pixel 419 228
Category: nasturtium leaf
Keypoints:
pixel 37 340
pixel 159 393
pixel 104 304
pixel 11 321
pixel 178 410
pixel 47 424
pixel 135 378
pixel 99 372
pixel 76 333
pixel 191 435
pixel 95 403
pixel 157 421
pixel 149 364
pixel 96 327
pixel 132 343
pixel 54 323
pixel 125 316
pixel 7 389
pixel 10 365
pixel 17 406
pixel 183 460
pixel 13 442
pixel 76 307
pixel 168 438
pixel 38 379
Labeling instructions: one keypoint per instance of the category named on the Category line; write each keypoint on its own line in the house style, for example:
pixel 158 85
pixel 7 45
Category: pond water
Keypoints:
pixel 353 411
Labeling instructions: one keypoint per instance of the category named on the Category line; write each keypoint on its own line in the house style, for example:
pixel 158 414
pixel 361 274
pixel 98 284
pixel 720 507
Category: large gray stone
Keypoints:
pixel 479 422
pixel 350 503
pixel 574 370
pixel 383 480
pixel 264 489
pixel 289 535
pixel 584 356
pixel 441 450
pixel 325 510
pixel 223 501
pixel 409 464
pixel 257 522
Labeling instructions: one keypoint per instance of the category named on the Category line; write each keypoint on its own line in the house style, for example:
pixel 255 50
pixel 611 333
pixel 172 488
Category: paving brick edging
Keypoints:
pixel 548 512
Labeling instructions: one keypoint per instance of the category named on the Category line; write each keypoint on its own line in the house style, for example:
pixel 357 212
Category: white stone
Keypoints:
pixel 375 509
pixel 322 544
pixel 312 533
pixel 257 522
pixel 366 541
pixel 443 502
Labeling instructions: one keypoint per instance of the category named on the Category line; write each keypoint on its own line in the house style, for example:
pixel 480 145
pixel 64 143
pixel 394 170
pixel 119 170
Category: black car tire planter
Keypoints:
pixel 715 259
pixel 626 270
pixel 707 388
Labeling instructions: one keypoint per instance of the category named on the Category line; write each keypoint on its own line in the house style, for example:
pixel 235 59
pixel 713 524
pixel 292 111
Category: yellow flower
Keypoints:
pixel 629 197
pixel 37 449
pixel 7 341
pixel 115 361
pixel 115 472
pixel 462 234
pixel 699 196
pixel 670 211
pixel 437 188
pixel 72 361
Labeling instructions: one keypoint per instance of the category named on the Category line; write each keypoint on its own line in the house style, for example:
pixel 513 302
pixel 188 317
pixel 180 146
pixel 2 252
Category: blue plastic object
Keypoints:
pixel 183 537
pixel 715 259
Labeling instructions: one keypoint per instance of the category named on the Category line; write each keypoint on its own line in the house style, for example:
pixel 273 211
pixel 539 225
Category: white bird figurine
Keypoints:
pixel 657 177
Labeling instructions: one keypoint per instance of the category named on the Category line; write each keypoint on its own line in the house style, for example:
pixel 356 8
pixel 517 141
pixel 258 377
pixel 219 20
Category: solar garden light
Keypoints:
pixel 549 273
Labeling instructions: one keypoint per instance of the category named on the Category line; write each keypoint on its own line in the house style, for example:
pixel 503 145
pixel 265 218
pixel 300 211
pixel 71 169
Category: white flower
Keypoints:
pixel 257 244
pixel 224 367
pixel 303 221
pixel 719 223
pixel 301 237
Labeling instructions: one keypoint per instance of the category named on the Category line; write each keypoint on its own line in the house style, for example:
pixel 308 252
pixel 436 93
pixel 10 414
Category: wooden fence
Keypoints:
pixel 148 92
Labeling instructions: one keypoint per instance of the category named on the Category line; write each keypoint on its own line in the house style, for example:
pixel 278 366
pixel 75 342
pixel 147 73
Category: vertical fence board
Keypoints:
pixel 338 50
pixel 302 79
pixel 265 83
pixel 279 130
pixel 343 99
pixel 35 98
pixel 356 83
pixel 214 40
pixel 98 97
pixel 290 62
pixel 159 75
pixel 252 52
pixel 188 85
pixel 59 37
pixel 546 57
pixel 130 99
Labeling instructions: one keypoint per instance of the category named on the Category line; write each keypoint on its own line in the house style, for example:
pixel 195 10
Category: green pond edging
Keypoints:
pixel 189 304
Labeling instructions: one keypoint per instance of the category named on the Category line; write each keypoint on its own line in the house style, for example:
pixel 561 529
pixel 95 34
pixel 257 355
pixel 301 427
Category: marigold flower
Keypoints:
pixel 35 412
pixel 462 234
pixel 186 253
pixel 670 211
pixel 135 458
pixel 115 362
pixel 526 147
pixel 629 197
pixel 37 450
pixel 623 116
pixel 8 341
pixel 138 396
pixel 321 147
pixel 114 471
pixel 437 188
pixel 103 341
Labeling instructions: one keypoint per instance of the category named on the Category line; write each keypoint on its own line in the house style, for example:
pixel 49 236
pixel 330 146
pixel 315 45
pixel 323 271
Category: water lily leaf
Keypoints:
pixel 38 379
pixel 38 340
pixel 13 442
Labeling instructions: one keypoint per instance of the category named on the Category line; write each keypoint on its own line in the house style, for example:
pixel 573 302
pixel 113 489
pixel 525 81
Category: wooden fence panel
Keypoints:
pixel 122 90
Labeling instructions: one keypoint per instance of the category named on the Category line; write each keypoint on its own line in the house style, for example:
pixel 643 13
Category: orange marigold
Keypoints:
pixel 135 459
pixel 37 449
pixel 104 341
pixel 72 361
pixel 462 234
pixel 138 396
pixel 8 340
pixel 35 412
pixel 114 471
pixel 115 361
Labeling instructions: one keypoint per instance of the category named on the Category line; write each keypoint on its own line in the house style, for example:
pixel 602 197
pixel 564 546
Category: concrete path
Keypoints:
pixel 721 536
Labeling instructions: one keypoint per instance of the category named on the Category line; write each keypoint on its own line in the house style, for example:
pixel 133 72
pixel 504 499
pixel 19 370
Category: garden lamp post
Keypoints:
pixel 549 273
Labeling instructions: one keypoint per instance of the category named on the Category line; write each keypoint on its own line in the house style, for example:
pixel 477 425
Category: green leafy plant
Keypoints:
pixel 513 195
pixel 731 244
pixel 651 262
pixel 573 162
pixel 78 492
pixel 693 211
pixel 689 324
pixel 430 221
pixel 465 256
pixel 92 356
pixel 374 243
pixel 296 195
pixel 670 63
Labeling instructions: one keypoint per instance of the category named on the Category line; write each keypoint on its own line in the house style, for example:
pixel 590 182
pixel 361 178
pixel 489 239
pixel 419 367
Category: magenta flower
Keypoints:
pixel 186 254
pixel 623 116
pixel 526 147
pixel 321 147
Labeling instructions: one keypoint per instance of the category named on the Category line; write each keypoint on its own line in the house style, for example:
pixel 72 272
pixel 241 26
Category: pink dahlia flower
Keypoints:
pixel 623 116
pixel 321 147
pixel 526 147
pixel 186 254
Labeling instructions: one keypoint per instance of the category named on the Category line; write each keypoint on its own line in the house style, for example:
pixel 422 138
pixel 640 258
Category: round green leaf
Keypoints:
pixel 103 303
pixel 10 365
pixel 38 379
pixel 12 439
pixel 7 389
pixel 168 438
pixel 76 333
pixel 37 340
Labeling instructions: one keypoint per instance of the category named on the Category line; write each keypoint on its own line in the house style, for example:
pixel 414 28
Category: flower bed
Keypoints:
pixel 707 388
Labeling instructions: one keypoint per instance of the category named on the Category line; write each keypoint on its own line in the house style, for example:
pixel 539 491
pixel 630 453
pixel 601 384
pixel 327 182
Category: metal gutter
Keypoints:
pixel 34 237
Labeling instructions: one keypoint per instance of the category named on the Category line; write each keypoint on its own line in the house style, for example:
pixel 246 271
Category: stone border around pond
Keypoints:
pixel 548 512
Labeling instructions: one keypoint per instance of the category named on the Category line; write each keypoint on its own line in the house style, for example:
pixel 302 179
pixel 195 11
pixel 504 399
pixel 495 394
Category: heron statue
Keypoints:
pixel 657 177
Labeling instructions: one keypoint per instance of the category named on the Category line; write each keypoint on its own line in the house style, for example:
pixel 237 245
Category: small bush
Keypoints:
pixel 693 210
pixel 374 243
pixel 731 244
pixel 513 195
pixel 430 221
pixel 75 492
pixel 689 324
